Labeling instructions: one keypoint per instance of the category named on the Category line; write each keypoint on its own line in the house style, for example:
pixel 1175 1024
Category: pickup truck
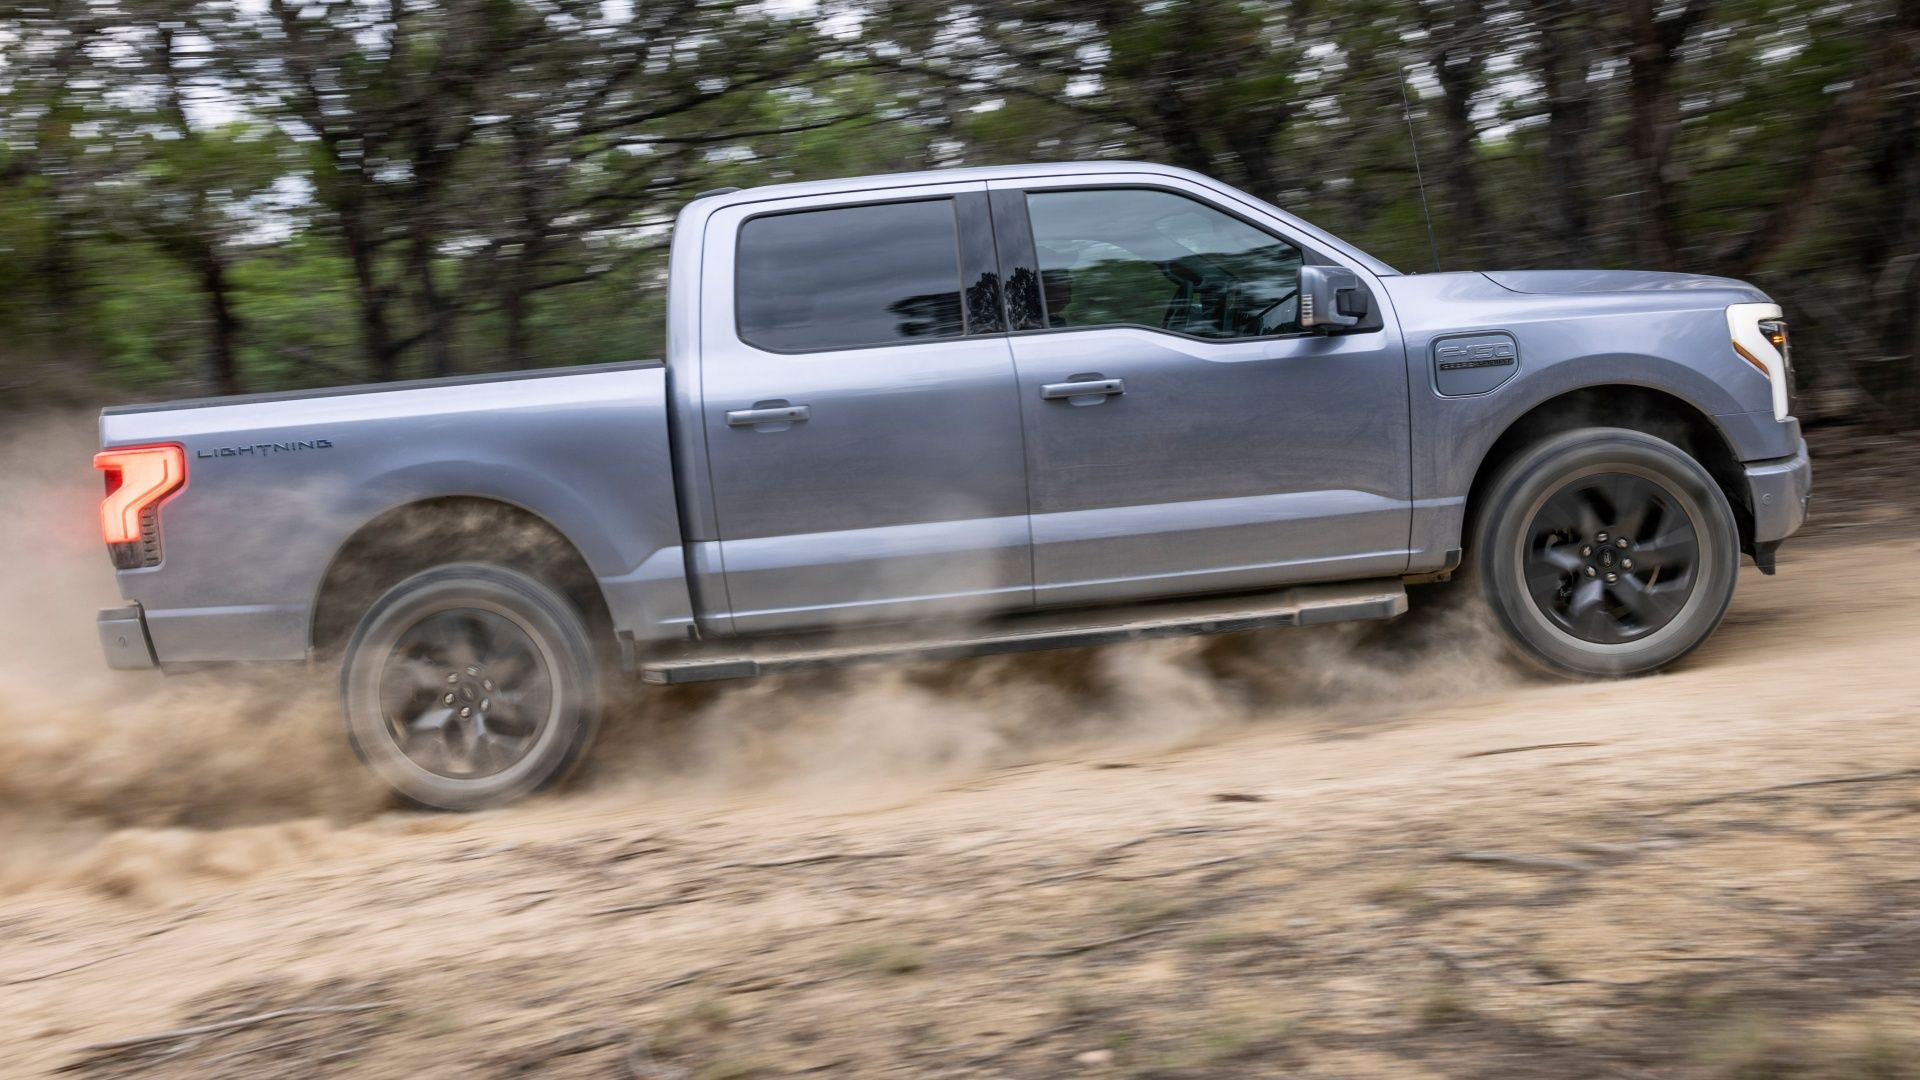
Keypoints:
pixel 961 412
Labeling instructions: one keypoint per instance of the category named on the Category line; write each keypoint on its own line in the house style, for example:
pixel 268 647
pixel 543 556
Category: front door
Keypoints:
pixel 1184 435
pixel 859 405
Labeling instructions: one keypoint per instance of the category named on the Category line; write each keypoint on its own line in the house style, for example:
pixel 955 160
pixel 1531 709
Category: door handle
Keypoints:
pixel 1054 391
pixel 781 415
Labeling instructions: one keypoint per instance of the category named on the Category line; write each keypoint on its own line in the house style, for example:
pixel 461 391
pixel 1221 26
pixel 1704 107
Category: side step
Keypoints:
pixel 1300 605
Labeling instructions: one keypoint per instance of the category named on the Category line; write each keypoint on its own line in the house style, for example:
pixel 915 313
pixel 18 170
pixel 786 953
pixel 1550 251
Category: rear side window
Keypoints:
pixel 849 276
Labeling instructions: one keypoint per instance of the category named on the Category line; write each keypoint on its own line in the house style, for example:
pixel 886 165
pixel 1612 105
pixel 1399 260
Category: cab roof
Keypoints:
pixel 707 202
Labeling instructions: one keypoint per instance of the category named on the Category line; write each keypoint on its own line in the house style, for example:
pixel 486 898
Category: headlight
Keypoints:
pixel 1775 331
pixel 1760 338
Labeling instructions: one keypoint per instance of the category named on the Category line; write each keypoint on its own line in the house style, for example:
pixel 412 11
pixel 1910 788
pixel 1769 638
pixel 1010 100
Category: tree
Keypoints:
pixel 193 187
pixel 391 187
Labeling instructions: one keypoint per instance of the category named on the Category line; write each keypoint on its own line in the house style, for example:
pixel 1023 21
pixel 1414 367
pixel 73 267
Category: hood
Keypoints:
pixel 1573 282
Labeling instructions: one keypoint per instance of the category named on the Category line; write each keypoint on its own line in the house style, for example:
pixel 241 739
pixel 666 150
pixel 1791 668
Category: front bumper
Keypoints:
pixel 123 637
pixel 1778 492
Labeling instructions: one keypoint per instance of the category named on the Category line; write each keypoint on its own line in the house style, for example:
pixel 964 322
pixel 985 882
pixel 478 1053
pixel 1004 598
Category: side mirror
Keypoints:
pixel 1331 298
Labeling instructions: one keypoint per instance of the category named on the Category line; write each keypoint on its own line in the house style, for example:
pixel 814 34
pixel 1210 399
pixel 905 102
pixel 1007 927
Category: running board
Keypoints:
pixel 1300 605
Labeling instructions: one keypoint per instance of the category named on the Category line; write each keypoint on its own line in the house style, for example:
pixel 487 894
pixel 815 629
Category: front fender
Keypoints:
pixel 1675 343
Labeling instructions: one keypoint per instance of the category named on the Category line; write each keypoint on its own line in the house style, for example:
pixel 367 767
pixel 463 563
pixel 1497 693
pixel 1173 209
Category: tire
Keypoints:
pixel 1605 553
pixel 469 686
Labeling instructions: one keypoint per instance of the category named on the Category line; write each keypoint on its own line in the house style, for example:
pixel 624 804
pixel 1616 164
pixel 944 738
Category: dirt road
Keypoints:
pixel 1348 853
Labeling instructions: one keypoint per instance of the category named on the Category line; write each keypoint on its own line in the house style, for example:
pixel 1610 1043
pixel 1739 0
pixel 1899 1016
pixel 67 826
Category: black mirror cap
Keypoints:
pixel 1331 298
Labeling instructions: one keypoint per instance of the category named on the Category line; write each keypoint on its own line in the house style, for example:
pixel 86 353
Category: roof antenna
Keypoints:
pixel 1406 109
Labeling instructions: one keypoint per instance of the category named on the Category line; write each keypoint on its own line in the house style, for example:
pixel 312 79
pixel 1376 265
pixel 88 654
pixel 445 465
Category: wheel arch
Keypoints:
pixel 406 539
pixel 1623 405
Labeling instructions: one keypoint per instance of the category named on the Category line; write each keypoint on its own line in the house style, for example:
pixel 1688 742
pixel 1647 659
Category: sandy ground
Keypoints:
pixel 1344 853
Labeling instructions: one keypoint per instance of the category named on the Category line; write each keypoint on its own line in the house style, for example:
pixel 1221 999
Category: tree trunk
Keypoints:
pixel 1174 127
pixel 1654 123
pixel 517 279
pixel 1563 74
pixel 223 366
pixel 376 337
pixel 514 304
pixel 1455 67
pixel 434 308
pixel 60 270
pixel 1895 365
pixel 1252 149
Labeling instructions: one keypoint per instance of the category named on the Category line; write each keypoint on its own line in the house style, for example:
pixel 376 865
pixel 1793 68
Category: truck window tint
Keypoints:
pixel 849 276
pixel 1136 257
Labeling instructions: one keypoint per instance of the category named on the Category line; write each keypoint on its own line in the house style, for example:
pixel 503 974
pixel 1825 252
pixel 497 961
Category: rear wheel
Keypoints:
pixel 470 685
pixel 1606 552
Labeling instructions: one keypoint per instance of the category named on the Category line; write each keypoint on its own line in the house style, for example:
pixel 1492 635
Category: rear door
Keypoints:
pixel 863 433
pixel 1183 433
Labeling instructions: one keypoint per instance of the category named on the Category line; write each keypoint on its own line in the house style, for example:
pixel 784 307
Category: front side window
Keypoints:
pixel 848 276
pixel 1140 257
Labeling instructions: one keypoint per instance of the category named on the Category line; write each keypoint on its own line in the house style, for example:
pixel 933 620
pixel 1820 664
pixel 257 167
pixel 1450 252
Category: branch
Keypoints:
pixel 1524 862
pixel 1090 946
pixel 684 104
pixel 1841 125
pixel 177 1034
pixel 1016 89
pixel 730 136
pixel 1772 789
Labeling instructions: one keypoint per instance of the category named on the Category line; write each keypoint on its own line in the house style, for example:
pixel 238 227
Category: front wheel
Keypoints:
pixel 1606 552
pixel 470 685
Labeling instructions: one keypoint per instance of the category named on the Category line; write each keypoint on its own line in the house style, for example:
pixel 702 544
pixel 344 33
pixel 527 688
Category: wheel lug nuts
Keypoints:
pixel 1601 538
pixel 473 670
pixel 1591 572
pixel 453 676
pixel 1620 543
pixel 1626 564
pixel 486 684
pixel 485 704
pixel 1613 578
pixel 448 700
pixel 1586 551
pixel 464 713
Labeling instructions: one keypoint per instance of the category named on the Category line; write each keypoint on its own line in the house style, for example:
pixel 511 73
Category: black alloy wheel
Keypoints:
pixel 465 693
pixel 1605 552
pixel 470 685
pixel 1611 557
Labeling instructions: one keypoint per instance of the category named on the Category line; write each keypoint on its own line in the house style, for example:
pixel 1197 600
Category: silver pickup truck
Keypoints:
pixel 961 412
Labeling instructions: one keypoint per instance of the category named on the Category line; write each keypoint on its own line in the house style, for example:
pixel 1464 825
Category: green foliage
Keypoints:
pixel 146 320
pixel 212 194
pixel 296 304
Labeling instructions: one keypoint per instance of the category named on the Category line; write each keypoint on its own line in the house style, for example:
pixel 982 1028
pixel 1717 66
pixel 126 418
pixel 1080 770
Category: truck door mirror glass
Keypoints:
pixel 1331 298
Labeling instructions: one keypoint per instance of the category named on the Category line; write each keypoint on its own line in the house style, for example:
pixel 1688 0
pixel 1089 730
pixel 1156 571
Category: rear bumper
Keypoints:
pixel 1778 492
pixel 123 637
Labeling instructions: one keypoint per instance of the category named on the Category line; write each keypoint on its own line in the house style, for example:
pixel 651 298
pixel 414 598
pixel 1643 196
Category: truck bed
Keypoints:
pixel 471 379
pixel 277 484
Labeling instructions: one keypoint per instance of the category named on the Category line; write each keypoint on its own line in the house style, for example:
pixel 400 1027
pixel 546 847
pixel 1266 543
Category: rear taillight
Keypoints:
pixel 139 479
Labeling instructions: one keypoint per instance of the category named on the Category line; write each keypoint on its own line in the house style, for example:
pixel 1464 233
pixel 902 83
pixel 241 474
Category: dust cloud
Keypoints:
pixel 102 770
pixel 118 780
pixel 863 731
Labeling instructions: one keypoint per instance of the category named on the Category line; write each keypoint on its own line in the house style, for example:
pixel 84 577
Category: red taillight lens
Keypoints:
pixel 138 477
